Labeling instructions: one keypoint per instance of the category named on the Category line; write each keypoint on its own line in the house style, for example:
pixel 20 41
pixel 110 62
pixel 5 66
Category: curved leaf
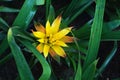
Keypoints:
pixel 89 73
pixel 95 35
pixel 46 68
pixel 3 25
pixel 29 10
pixel 23 68
pixel 107 60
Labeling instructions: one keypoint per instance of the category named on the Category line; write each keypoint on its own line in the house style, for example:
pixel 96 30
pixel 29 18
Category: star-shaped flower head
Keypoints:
pixel 51 39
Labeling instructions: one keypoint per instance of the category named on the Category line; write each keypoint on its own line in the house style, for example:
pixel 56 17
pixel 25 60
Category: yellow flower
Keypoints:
pixel 51 39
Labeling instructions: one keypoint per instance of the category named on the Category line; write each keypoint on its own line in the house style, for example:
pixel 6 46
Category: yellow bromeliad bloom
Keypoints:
pixel 51 39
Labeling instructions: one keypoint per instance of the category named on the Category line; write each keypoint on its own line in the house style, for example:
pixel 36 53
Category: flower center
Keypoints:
pixel 49 40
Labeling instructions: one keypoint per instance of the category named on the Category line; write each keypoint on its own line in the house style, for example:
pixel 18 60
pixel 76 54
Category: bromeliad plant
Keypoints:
pixel 52 39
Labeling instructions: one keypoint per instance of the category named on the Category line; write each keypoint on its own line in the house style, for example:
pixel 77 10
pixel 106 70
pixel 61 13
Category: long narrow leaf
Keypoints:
pixel 48 2
pixel 46 68
pixel 23 68
pixel 95 35
pixel 26 14
pixel 5 59
pixel 3 45
pixel 89 73
pixel 79 12
pixel 7 9
pixel 78 75
pixel 111 36
pixel 3 25
pixel 51 15
pixel 107 60
pixel 111 25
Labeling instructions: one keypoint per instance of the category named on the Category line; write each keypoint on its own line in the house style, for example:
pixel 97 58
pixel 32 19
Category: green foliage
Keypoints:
pixel 108 59
pixel 3 46
pixel 7 9
pixel 81 54
pixel 90 71
pixel 95 35
pixel 29 10
pixel 21 63
pixel 3 25
pixel 46 68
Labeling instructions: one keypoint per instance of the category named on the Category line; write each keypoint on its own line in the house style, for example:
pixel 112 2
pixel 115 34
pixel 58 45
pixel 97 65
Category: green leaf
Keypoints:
pixel 40 2
pixel 78 75
pixel 51 15
pixel 26 14
pixel 107 60
pixel 5 59
pixel 48 2
pixel 75 8
pixel 111 36
pixel 46 68
pixel 3 25
pixel 3 46
pixel 107 28
pixel 79 69
pixel 79 11
pixel 89 73
pixel 22 66
pixel 84 31
pixel 72 60
pixel 95 35
pixel 17 31
pixel 111 25
pixel 7 9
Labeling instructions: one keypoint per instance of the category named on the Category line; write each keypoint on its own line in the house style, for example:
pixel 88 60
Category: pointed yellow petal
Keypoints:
pixel 62 33
pixel 38 34
pixel 60 43
pixel 48 28
pixel 41 40
pixel 59 51
pixel 67 39
pixel 40 48
pixel 46 50
pixel 39 27
pixel 56 24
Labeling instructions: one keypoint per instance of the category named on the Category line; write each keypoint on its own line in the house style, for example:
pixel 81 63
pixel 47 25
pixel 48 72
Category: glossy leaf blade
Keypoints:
pixel 46 68
pixel 22 66
pixel 3 24
pixel 111 36
pixel 107 60
pixel 26 14
pixel 95 35
pixel 89 73
pixel 78 75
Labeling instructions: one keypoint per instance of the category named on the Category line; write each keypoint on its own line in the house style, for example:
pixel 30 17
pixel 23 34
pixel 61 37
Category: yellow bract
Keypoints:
pixel 51 39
